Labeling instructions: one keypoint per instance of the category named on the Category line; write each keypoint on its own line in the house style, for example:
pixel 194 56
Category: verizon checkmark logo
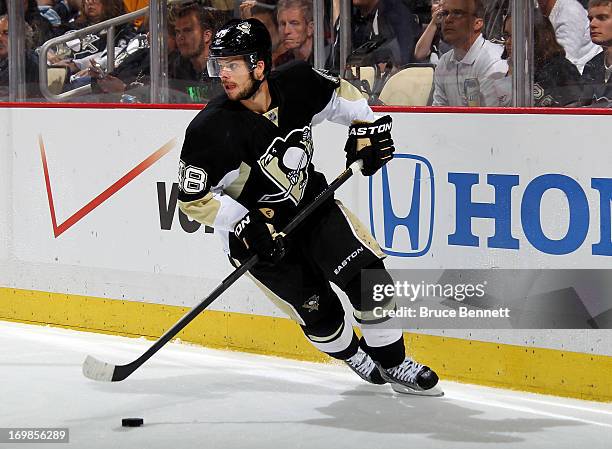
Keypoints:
pixel 102 197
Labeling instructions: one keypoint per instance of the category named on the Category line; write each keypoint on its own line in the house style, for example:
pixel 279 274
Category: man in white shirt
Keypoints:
pixel 571 25
pixel 465 75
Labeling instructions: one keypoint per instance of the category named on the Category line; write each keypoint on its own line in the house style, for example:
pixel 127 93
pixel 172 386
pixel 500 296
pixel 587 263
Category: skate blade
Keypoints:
pixel 435 391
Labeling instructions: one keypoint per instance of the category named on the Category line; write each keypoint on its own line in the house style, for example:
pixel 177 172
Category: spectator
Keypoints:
pixel 556 80
pixel 430 45
pixel 96 11
pixel 91 49
pixel 31 62
pixel 67 10
pixel 46 8
pixel 194 28
pixel 571 26
pixel 389 26
pixel 266 14
pixel 465 75
pixel 133 69
pixel 296 30
pixel 597 75
pixel 41 28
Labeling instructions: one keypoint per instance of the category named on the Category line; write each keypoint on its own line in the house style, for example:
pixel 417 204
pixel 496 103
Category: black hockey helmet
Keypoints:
pixel 249 38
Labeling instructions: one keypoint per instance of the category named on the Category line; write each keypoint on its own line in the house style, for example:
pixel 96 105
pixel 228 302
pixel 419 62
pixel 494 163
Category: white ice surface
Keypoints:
pixel 192 397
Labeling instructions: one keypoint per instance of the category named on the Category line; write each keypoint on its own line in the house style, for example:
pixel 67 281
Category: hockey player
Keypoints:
pixel 246 169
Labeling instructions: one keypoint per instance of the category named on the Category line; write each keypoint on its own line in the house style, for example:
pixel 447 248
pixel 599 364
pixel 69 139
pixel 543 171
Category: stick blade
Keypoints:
pixel 97 370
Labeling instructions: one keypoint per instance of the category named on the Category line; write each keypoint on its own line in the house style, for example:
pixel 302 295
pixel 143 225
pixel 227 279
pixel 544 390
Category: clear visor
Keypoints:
pixel 231 64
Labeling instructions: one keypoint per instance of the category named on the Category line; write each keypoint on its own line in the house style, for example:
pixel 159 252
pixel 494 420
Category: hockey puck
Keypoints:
pixel 132 422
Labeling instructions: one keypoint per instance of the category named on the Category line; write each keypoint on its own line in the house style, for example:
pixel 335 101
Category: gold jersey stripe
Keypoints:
pixel 361 232
pixel 369 315
pixel 349 92
pixel 234 189
pixel 203 210
pixel 272 115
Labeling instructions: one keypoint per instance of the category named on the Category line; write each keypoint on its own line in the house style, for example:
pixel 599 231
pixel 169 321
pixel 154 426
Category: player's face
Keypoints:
pixel 293 27
pixel 4 39
pixel 236 77
pixel 189 35
pixel 600 18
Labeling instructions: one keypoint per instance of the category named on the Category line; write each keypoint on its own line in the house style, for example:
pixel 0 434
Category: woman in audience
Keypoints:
pixel 430 45
pixel 91 49
pixel 556 79
pixel 96 11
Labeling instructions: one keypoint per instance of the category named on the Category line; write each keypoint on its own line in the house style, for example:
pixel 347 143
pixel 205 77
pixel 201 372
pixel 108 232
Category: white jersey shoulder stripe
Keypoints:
pixel 346 106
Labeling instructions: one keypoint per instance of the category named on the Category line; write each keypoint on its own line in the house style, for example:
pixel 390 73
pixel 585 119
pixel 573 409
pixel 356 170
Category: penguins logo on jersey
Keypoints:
pixel 312 303
pixel 285 163
pixel 87 46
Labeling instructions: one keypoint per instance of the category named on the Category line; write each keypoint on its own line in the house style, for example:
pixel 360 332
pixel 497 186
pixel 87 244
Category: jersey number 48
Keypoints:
pixel 191 179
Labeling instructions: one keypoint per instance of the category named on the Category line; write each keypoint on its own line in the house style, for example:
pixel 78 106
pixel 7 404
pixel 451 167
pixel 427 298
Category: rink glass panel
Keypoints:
pixel 383 69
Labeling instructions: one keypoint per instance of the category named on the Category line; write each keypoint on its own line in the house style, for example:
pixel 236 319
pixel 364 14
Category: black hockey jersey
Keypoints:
pixel 234 160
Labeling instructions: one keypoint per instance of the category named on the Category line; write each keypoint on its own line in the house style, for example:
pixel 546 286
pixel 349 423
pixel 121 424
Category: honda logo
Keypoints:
pixel 402 199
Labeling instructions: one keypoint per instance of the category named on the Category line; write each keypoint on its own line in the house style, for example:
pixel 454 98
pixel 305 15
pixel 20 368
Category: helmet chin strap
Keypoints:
pixel 254 88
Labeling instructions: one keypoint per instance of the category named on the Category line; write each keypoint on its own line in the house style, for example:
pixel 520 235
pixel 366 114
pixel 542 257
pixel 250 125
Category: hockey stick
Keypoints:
pixel 98 370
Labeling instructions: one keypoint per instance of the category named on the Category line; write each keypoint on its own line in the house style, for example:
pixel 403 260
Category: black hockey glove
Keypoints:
pixel 370 142
pixel 260 237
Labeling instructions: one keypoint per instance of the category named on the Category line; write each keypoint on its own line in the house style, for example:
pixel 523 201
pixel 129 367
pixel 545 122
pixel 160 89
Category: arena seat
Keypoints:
pixel 56 77
pixel 411 86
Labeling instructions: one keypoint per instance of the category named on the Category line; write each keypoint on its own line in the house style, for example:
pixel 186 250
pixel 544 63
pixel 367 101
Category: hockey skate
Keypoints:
pixel 365 367
pixel 410 377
